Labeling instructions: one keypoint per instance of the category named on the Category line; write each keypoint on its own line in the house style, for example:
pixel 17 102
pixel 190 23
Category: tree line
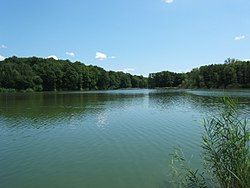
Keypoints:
pixel 232 74
pixel 41 74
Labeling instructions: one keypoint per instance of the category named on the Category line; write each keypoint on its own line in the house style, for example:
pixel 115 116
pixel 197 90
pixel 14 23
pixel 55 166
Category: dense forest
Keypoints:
pixel 39 74
pixel 232 74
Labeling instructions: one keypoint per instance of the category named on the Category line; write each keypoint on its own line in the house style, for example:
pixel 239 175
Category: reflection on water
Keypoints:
pixel 108 139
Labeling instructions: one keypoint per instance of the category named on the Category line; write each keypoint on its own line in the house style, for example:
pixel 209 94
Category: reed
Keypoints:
pixel 182 174
pixel 226 156
pixel 226 147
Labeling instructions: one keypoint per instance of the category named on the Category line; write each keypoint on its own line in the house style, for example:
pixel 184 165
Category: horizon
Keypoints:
pixel 136 37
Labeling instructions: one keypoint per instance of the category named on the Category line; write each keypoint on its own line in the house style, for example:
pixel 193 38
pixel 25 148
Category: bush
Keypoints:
pixel 30 90
pixel 4 90
pixel 38 88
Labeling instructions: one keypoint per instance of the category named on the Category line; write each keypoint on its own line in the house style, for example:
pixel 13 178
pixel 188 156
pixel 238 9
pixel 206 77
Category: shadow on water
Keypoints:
pixel 51 106
pixel 200 100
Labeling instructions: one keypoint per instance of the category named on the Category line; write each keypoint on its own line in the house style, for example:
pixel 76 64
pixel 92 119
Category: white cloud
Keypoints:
pixel 53 56
pixel 3 46
pixel 112 57
pixel 128 70
pixel 168 1
pixel 72 54
pixel 100 56
pixel 2 58
pixel 241 37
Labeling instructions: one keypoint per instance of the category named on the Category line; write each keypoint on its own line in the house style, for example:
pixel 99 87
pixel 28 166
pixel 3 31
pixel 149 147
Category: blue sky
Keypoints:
pixel 137 36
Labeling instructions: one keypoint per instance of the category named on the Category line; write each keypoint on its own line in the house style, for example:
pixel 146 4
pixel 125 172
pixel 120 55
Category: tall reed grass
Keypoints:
pixel 225 150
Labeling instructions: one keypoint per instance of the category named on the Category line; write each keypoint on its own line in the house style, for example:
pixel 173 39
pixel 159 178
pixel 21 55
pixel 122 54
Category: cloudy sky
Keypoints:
pixel 137 36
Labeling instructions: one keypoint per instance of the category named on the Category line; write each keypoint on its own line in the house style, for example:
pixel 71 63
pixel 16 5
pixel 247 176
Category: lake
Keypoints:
pixel 102 139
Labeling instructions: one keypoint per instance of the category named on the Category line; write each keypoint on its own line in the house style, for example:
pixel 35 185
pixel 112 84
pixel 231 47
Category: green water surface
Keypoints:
pixel 102 139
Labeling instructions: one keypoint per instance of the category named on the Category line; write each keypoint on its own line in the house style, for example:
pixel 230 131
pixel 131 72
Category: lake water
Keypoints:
pixel 106 139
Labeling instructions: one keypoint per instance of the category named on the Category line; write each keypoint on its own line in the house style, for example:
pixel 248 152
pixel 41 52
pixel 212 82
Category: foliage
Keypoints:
pixel 182 174
pixel 232 74
pixel 40 74
pixel 49 74
pixel 165 79
pixel 225 153
pixel 226 149
pixel 3 90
